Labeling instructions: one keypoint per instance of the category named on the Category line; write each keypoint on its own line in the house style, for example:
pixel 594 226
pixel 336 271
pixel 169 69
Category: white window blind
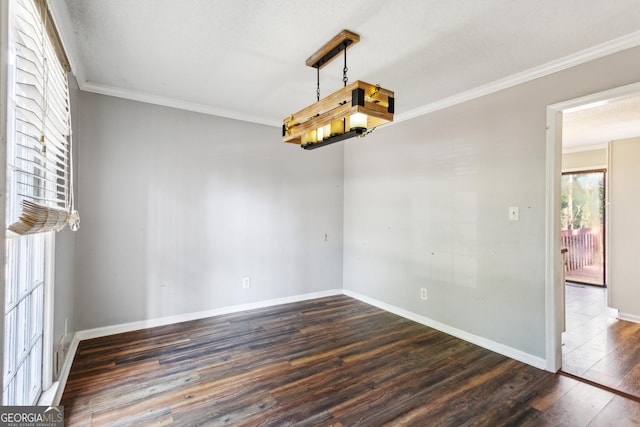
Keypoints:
pixel 39 172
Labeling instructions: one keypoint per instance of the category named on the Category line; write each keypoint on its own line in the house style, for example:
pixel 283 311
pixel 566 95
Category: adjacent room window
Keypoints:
pixel 582 223
pixel 39 191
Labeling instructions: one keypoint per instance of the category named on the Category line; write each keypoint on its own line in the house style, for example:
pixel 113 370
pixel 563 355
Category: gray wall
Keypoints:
pixel 178 207
pixel 426 205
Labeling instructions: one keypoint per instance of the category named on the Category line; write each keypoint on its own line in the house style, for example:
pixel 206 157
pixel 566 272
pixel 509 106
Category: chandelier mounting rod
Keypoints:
pixel 333 47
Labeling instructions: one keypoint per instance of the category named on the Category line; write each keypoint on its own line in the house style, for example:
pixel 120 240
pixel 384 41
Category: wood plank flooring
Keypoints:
pixel 327 362
pixel 598 346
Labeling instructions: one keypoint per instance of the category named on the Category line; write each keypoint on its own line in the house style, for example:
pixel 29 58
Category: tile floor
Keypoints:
pixel 596 345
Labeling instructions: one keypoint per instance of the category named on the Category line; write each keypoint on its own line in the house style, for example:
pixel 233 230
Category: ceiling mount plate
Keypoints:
pixel 326 53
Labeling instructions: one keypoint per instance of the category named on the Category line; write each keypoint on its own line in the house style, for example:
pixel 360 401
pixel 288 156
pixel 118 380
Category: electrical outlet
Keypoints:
pixel 246 282
pixel 423 293
pixel 514 213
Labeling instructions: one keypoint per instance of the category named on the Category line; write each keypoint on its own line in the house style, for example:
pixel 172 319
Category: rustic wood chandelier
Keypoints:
pixel 354 110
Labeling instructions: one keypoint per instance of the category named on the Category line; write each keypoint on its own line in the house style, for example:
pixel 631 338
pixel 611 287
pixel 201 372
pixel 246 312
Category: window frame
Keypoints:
pixel 39 296
pixel 4 69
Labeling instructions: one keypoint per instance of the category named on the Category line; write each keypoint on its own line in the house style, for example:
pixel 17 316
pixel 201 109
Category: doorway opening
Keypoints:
pixel 554 271
pixel 582 218
pixel 598 363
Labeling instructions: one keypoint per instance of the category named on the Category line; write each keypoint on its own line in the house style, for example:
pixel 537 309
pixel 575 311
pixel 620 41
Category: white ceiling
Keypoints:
pixel 245 59
pixel 593 127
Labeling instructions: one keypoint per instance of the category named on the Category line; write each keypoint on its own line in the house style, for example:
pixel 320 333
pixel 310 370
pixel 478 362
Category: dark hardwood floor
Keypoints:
pixel 327 362
pixel 596 345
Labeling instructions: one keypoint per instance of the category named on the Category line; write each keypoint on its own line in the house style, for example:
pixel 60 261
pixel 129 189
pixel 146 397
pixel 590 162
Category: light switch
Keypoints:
pixel 514 213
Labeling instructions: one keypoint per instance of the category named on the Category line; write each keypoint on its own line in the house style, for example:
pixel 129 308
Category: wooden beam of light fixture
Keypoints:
pixel 333 47
pixel 354 110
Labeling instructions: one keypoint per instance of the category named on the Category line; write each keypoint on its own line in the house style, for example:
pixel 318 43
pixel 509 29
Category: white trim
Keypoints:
pixel 586 55
pixel 494 346
pixel 173 103
pixel 554 293
pixel 617 93
pixel 48 318
pixel 629 317
pixel 62 20
pixel 127 327
pixel 48 395
pixel 4 86
pixel 65 369
pixel 169 320
pixel 581 57
pixel 607 220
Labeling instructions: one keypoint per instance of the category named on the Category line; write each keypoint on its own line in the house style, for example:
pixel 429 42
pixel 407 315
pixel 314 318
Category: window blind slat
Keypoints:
pixel 53 152
pixel 39 173
pixel 44 169
pixel 28 129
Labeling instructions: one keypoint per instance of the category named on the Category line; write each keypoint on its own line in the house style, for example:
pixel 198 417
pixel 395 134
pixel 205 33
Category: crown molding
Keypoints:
pixel 174 103
pixel 595 52
pixel 62 20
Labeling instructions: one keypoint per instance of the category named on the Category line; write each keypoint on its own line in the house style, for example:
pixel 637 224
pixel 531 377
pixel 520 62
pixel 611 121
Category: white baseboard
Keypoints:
pixel 48 396
pixel 510 352
pixel 629 317
pixel 162 321
pixel 66 368
pixel 169 320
